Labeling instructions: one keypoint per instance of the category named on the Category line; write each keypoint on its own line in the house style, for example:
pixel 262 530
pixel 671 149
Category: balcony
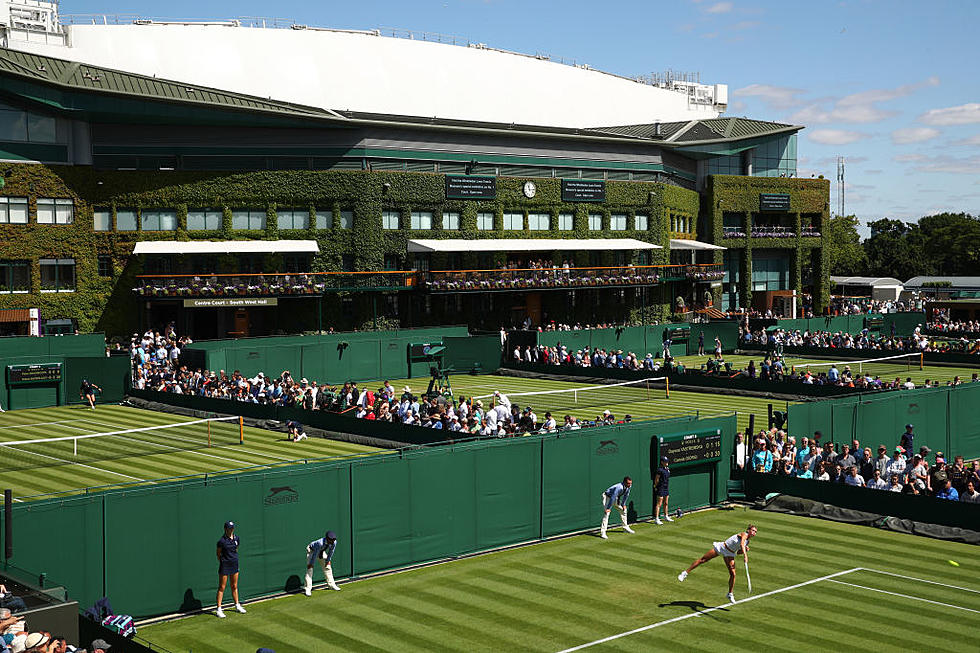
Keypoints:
pixel 810 231
pixel 270 285
pixel 554 278
pixel 773 231
pixel 733 232
pixel 704 272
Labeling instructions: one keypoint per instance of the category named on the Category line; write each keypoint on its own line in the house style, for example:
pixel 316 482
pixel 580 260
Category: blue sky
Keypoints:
pixel 893 86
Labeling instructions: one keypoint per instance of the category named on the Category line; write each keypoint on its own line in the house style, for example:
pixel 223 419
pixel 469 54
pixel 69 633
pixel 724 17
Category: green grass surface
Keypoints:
pixel 125 461
pixel 566 593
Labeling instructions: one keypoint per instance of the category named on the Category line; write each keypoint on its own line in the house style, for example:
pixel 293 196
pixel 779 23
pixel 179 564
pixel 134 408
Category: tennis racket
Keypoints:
pixel 748 578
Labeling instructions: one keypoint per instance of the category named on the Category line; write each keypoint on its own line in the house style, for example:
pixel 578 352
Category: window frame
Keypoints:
pixel 481 219
pixel 291 214
pixel 509 218
pixel 450 220
pixel 205 214
pixel 158 215
pixel 617 222
pixel 6 204
pixel 566 218
pixel 250 214
pixel 534 221
pixel 58 264
pixel 636 222
pixel 7 267
pixel 418 218
pixel 595 219
pixel 391 220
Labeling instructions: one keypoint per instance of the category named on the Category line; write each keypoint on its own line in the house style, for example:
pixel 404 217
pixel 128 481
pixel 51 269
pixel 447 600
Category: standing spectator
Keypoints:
pixel 228 567
pixel 973 474
pixel 957 474
pixel 717 348
pixel 701 343
pixel 896 466
pixel 860 455
pixel 846 459
pixel 938 474
pixel 322 550
pixel 906 439
pixel 970 495
pixel 661 484
pixel 881 462
pixel 616 495
pixel 740 453
pixel 803 451
pixel 918 475
pixel 866 467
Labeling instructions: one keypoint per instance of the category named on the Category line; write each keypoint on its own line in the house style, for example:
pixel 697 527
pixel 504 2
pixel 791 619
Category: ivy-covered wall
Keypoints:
pixel 740 195
pixel 108 303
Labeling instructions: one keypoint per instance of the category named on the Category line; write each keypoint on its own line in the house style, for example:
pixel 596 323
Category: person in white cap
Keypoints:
pixel 321 550
pixel 616 496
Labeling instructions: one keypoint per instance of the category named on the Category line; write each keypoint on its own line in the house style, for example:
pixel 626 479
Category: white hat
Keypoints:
pixel 406 389
pixel 606 412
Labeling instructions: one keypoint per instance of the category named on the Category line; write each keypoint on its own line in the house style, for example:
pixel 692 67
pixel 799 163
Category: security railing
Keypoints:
pixel 270 285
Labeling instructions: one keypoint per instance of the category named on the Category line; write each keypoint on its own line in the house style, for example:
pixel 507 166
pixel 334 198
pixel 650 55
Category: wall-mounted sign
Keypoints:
pixel 583 190
pixel 695 448
pixel 773 202
pixel 38 373
pixel 470 187
pixel 231 302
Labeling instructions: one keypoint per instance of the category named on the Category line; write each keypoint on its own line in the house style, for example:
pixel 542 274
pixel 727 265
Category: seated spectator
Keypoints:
pixel 822 474
pixel 805 471
pixel 894 484
pixel 8 600
pixel 852 478
pixel 876 482
pixel 948 492
pixel 970 494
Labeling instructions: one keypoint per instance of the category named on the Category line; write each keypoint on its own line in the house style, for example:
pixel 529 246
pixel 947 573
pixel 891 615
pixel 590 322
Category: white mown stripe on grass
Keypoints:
pixel 709 610
pixel 921 580
pixel 904 596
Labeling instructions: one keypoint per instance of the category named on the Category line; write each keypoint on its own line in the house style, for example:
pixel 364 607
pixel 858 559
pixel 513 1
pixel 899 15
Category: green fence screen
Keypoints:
pixel 152 549
pixel 645 339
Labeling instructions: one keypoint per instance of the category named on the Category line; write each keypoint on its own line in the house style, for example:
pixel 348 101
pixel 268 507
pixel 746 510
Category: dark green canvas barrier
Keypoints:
pixel 688 377
pixel 938 358
pixel 905 323
pixel 472 353
pixel 645 339
pixel 29 350
pixel 89 344
pixel 111 374
pixel 893 504
pixel 945 419
pixel 151 549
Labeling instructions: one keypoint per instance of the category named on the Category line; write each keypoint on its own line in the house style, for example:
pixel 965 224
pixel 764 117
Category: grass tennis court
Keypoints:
pixel 814 583
pixel 167 456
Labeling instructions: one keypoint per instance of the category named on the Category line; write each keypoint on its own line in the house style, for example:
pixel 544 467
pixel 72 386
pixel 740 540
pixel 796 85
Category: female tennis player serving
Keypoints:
pixel 737 543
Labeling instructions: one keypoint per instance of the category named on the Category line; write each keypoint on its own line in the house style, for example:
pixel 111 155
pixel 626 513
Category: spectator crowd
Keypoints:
pixel 892 469
pixel 865 340
pixel 16 637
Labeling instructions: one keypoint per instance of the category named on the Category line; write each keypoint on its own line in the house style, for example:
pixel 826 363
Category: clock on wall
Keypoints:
pixel 529 189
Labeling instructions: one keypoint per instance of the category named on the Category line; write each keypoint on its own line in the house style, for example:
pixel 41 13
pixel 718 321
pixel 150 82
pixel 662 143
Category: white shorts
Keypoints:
pixel 723 550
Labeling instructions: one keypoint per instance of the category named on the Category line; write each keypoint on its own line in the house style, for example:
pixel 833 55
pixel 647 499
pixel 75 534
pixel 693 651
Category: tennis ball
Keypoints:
pixel 953 562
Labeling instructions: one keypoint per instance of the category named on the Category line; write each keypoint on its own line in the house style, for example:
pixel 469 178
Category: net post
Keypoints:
pixel 241 430
pixel 209 434
pixel 667 382
pixel 921 358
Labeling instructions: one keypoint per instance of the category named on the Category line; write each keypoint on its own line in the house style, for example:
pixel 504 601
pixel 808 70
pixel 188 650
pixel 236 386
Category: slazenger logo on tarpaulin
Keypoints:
pixel 280 495
pixel 607 447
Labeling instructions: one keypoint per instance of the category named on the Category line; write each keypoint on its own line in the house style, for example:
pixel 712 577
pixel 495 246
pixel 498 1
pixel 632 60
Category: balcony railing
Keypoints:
pixel 269 285
pixel 704 272
pixel 771 231
pixel 559 278
pixel 733 232
pixel 809 231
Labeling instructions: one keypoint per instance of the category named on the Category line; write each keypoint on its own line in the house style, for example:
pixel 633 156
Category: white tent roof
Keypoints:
pixel 527 244
pixel 226 247
pixel 879 282
pixel 680 243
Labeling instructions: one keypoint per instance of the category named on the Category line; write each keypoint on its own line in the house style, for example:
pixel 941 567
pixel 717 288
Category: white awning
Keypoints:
pixel 528 245
pixel 679 243
pixel 181 247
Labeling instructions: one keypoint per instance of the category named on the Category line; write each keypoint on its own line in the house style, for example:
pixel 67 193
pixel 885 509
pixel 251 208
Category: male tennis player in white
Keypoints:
pixel 616 496
pixel 321 550
pixel 737 543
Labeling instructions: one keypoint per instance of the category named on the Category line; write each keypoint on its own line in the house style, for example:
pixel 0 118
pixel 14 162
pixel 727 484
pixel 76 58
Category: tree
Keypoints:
pixel 843 253
pixel 952 242
pixel 896 249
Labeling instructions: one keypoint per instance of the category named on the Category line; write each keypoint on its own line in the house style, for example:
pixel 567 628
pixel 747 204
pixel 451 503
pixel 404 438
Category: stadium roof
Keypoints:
pixel 182 247
pixel 882 282
pixel 527 244
pixel 960 283
pixel 102 81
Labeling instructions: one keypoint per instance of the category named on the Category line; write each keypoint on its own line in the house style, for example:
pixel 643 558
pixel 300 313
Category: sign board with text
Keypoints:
pixel 773 202
pixel 38 373
pixel 230 302
pixel 692 449
pixel 583 190
pixel 459 187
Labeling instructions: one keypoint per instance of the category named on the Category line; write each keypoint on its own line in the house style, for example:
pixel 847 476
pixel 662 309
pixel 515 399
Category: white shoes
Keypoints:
pixel 239 608
pixel 667 517
pixel 731 597
pixel 307 592
pixel 336 588
pixel 628 529
pixel 658 522
pixel 681 576
pixel 603 535
pixel 219 613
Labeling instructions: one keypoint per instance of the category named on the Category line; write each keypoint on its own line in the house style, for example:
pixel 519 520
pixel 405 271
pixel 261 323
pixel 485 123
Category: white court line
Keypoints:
pixel 904 596
pixel 68 462
pixel 24 426
pixel 921 580
pixel 717 607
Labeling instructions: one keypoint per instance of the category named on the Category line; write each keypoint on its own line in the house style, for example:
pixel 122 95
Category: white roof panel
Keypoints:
pixel 226 247
pixel 680 243
pixel 527 244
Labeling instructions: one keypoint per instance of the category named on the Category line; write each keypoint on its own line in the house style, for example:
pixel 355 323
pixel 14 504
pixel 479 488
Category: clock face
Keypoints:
pixel 530 189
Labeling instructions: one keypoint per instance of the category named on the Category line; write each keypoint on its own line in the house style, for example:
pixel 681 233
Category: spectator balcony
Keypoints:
pixel 772 231
pixel 270 285
pixel 704 272
pixel 733 232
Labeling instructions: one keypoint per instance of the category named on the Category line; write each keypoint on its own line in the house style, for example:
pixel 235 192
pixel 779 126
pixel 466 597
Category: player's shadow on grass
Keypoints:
pixel 695 606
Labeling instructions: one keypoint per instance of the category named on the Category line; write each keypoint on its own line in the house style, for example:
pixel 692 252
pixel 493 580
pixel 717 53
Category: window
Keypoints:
pixel 389 219
pixel 421 219
pixel 102 220
pixel 125 220
pixel 538 222
pixel 565 221
pixel 13 210
pixel 292 219
pixel 159 220
pixel 484 221
pixel 595 222
pixel 324 219
pixel 247 263
pixel 18 125
pixel 347 263
pixel 421 262
pixel 248 219
pixel 295 262
pixel 204 219
pixel 514 221
pixel 450 221
pixel 641 222
pixel 346 220
pixel 391 262
pixel 57 275
pixel 15 276
pixel 55 210
pixel 617 222
pixel 105 265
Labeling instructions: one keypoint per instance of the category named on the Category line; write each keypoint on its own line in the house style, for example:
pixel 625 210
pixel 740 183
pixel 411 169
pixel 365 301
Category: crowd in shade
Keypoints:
pixel 866 340
pixel 943 323
pixel 17 637
pixel 864 305
pixel 892 468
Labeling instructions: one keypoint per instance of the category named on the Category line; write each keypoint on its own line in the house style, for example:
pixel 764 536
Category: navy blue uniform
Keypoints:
pixel 228 564
pixel 663 487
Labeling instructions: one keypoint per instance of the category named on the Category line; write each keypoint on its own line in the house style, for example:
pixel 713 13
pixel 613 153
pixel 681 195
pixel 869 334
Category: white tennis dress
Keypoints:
pixel 730 547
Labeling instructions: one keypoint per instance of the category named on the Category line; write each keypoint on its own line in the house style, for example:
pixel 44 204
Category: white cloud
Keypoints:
pixel 719 8
pixel 951 165
pixel 836 136
pixel 973 140
pixel 964 114
pixel 745 24
pixel 779 97
pixel 913 135
pixel 858 107
pixel 906 158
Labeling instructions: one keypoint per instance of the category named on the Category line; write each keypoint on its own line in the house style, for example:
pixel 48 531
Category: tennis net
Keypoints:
pixel 573 401
pixel 884 366
pixel 92 447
